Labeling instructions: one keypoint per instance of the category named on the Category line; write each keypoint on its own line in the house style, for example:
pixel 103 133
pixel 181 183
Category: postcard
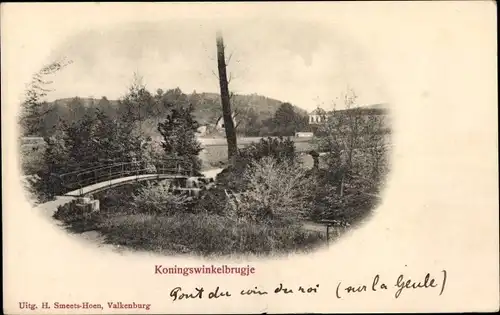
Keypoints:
pixel 241 158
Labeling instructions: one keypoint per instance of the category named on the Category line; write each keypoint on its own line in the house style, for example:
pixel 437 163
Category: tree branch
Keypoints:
pixel 215 74
pixel 229 59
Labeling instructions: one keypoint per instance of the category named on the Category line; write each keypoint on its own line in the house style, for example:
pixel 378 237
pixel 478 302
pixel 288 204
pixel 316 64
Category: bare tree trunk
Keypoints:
pixel 232 147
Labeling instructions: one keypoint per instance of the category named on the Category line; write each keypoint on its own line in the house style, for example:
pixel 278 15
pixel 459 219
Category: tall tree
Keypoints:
pixel 133 109
pixel 55 157
pixel 343 132
pixel 81 142
pixel 251 125
pixel 105 106
pixel 179 136
pixel 137 103
pixel 285 120
pixel 33 110
pixel 375 144
pixel 232 147
pixel 77 109
pixel 49 120
pixel 115 141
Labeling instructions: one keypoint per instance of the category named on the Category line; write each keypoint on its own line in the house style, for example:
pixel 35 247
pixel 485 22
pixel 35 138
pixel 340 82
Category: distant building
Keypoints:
pixel 304 134
pixel 319 115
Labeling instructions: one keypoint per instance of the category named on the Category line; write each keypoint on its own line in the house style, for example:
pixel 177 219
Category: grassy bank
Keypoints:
pixel 203 234
pixel 196 234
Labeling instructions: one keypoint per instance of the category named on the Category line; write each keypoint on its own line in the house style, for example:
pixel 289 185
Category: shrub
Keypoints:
pixel 356 203
pixel 32 159
pixel 77 217
pixel 213 201
pixel 278 192
pixel 231 177
pixel 279 149
pixel 119 199
pixel 158 198
pixel 31 184
pixel 65 212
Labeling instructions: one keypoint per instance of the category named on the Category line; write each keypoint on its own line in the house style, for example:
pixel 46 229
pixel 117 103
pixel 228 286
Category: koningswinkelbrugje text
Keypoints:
pixel 212 269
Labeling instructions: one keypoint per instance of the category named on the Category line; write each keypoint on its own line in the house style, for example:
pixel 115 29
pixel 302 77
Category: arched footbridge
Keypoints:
pixel 102 176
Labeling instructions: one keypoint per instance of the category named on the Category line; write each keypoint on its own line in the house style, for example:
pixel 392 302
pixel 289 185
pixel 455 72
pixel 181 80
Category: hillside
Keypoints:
pixel 208 107
pixel 263 106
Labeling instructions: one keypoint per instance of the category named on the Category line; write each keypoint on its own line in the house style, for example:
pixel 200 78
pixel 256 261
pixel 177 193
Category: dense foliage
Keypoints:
pixel 275 191
pixel 179 136
pixel 287 121
pixel 34 109
pixel 280 149
pixel 96 138
pixel 159 199
pixel 255 115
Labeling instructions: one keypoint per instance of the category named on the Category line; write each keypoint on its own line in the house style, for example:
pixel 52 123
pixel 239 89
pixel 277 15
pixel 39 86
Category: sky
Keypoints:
pixel 304 64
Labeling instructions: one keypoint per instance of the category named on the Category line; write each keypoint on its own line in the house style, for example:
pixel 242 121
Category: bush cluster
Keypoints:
pixel 76 217
pixel 355 204
pixel 160 199
pixel 276 192
pixel 280 149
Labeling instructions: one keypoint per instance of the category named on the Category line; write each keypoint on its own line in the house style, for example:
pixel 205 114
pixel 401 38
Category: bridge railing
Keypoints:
pixel 97 174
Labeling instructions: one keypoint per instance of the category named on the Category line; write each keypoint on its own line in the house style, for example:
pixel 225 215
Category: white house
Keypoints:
pixel 220 122
pixel 317 116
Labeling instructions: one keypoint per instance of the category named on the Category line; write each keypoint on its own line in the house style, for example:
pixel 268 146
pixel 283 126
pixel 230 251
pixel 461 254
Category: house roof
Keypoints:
pixel 317 111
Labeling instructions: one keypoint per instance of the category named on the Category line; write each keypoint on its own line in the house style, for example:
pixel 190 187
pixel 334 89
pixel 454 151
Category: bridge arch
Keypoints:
pixel 108 174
